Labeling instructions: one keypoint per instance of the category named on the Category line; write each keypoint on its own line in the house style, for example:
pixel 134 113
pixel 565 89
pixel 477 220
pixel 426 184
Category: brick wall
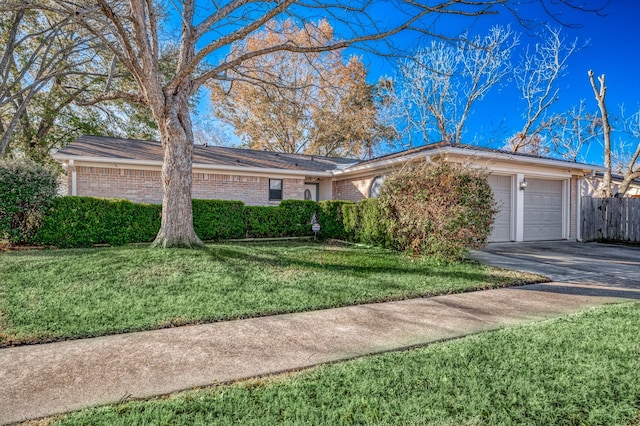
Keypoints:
pixel 352 189
pixel 145 186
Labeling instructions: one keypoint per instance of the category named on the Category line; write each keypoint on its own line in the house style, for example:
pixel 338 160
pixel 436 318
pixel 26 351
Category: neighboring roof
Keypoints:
pixel 101 147
pixel 132 151
pixel 618 178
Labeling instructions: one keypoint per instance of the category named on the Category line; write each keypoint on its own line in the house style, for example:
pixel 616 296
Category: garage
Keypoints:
pixel 501 187
pixel 543 210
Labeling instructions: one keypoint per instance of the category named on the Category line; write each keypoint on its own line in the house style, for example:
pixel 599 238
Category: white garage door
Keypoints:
pixel 501 187
pixel 543 210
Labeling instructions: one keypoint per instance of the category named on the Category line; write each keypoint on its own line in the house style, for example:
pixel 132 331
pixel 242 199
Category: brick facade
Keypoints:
pixel 352 189
pixel 145 186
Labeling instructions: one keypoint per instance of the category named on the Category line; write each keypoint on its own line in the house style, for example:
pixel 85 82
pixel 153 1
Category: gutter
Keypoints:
pixel 201 166
pixel 469 153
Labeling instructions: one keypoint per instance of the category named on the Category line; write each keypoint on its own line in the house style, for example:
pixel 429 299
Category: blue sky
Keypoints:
pixel 613 47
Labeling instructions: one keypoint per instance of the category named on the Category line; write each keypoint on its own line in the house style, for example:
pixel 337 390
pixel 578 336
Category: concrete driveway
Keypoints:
pixel 570 262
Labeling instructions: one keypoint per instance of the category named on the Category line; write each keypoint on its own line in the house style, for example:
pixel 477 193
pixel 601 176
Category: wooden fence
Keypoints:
pixel 614 219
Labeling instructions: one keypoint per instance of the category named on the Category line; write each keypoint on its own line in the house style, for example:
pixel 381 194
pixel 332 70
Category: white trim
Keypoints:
pixel 579 183
pixel 157 165
pixel 519 207
pixel 468 153
pixel 566 206
pixel 74 178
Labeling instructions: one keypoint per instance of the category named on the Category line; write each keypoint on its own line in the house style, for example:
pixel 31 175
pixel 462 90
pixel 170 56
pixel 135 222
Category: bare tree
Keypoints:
pixel 572 132
pixel 536 79
pixel 134 31
pixel 437 88
pixel 600 92
pixel 627 155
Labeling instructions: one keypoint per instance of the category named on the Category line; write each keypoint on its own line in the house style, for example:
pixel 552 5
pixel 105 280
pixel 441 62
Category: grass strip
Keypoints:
pixel 59 294
pixel 577 370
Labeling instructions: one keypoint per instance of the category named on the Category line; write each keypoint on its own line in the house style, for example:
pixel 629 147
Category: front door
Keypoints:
pixel 311 191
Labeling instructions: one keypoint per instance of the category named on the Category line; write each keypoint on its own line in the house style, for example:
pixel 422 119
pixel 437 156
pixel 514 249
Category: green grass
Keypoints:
pixel 56 294
pixel 578 370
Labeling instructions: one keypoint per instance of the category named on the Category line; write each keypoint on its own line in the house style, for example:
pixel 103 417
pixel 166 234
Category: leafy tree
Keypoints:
pixel 286 102
pixel 47 64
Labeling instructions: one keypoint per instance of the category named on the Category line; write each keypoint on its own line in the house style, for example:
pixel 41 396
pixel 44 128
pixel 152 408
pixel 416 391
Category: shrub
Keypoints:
pixel 439 210
pixel 85 221
pixel 331 219
pixel 292 218
pixel 218 219
pixel 27 189
pixel 365 223
pixel 298 213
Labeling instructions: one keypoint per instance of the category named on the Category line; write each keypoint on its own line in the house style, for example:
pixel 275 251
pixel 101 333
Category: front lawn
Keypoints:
pixel 578 370
pixel 56 294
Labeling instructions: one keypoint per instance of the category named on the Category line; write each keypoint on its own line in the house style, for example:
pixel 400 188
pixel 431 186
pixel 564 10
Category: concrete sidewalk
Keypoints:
pixel 43 380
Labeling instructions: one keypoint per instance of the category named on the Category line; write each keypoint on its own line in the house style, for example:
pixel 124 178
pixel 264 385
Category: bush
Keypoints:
pixel 331 218
pixel 27 189
pixel 292 218
pixel 299 213
pixel 85 221
pixel 218 219
pixel 439 210
pixel 365 223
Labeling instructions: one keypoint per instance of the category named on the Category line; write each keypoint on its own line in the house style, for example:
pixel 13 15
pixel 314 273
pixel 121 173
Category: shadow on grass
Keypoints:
pixel 234 258
pixel 584 290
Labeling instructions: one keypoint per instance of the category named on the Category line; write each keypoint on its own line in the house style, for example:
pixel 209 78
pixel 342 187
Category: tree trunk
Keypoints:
pixel 176 229
pixel 606 131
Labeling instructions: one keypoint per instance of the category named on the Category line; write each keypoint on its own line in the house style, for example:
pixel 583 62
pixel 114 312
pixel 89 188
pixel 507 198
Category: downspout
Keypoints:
pixel 74 178
pixel 579 212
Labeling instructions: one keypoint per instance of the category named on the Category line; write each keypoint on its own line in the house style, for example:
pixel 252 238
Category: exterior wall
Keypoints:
pixel 573 208
pixel 142 186
pixel 145 186
pixel 592 187
pixel 353 189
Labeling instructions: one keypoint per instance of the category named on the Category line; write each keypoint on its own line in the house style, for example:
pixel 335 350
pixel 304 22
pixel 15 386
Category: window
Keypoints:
pixel 307 195
pixel 376 184
pixel 275 189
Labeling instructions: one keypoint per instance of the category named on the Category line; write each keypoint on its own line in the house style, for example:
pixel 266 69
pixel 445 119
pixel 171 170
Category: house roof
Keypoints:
pixel 101 147
pixel 132 151
pixel 472 149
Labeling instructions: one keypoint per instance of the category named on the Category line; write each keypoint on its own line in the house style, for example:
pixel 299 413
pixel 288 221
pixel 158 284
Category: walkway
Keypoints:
pixel 43 380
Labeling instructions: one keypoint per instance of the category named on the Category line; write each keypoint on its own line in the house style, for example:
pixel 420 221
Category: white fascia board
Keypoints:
pixel 382 164
pixel 523 159
pixel 241 170
pixel 468 153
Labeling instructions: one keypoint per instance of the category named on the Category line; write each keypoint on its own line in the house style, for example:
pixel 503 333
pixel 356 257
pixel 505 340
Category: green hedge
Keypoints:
pixel 331 218
pixel 218 219
pixel 365 223
pixel 292 218
pixel 87 221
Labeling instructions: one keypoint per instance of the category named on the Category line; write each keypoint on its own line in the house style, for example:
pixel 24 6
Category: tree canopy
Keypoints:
pixel 316 103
